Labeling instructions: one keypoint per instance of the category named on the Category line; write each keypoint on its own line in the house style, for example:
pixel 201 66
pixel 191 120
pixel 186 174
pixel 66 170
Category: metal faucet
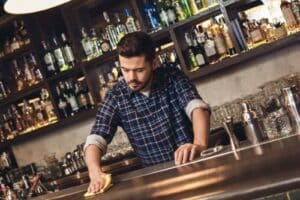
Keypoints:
pixel 228 125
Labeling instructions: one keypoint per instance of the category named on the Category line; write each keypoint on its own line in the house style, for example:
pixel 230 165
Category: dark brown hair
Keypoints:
pixel 137 44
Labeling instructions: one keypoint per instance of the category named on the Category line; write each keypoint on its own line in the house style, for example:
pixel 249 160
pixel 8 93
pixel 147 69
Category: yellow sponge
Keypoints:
pixel 107 185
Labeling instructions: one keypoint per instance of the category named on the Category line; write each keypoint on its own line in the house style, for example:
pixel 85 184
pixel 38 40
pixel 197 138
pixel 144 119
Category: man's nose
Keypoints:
pixel 132 75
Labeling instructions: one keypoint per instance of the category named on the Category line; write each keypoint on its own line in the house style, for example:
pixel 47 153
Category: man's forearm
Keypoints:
pixel 92 156
pixel 201 126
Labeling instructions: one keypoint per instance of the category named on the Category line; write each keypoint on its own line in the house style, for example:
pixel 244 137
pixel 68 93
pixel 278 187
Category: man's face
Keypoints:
pixel 137 71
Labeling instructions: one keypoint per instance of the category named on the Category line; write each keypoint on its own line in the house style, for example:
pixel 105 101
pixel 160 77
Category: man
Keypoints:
pixel 159 109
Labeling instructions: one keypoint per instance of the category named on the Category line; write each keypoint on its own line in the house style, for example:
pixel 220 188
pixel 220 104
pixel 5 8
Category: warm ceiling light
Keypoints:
pixel 30 6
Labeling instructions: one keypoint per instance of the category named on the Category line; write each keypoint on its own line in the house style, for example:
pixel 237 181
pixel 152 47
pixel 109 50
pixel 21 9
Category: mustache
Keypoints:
pixel 134 82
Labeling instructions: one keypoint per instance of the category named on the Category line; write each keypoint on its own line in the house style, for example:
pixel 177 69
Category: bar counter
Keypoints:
pixel 250 172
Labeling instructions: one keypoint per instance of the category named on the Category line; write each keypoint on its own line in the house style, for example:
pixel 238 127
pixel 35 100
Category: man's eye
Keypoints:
pixel 139 70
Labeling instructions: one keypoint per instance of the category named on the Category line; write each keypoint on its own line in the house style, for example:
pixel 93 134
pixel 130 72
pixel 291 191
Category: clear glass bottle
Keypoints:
pixel 121 28
pixel 111 31
pixel 86 43
pixel 96 43
pixel 49 60
pixel 67 50
pixel 289 16
pixel 59 56
pixel 192 61
pixel 130 21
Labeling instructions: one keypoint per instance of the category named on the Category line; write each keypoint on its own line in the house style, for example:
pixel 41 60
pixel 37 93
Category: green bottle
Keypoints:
pixel 186 7
pixel 180 13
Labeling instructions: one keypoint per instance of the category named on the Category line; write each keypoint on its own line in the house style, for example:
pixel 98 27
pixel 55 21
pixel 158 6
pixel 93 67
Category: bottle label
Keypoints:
pixel 256 35
pixel 59 57
pixel 131 27
pixel 289 16
pixel 62 105
pixel 69 54
pixel 200 59
pixel 82 100
pixel 164 17
pixel 171 16
pixel 73 103
pixel 210 48
pixel 87 47
pixel 228 40
pixel 220 45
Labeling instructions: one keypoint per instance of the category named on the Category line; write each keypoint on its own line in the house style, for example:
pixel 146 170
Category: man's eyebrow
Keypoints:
pixel 132 69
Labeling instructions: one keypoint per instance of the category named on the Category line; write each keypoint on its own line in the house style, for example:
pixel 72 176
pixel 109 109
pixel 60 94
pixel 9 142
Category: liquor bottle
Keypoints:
pixel 151 15
pixel 8 128
pixel 121 28
pixel 199 4
pixel 70 96
pixel 104 42
pixel 47 105
pixel 35 69
pixel 49 60
pixel 193 7
pixel 111 31
pixel 186 7
pixel 296 9
pixel 112 81
pixel 63 105
pixel 227 38
pixel 116 71
pixel 96 43
pixel 18 76
pixel 39 116
pixel 59 56
pixel 162 12
pixel 210 47
pixel 193 65
pixel 17 33
pixel 29 73
pixel 24 33
pixel 11 122
pixel 67 50
pixel 204 3
pixel 218 37
pixel 14 44
pixel 86 44
pixel 199 53
pixel 19 122
pixel 256 33
pixel 103 89
pixel 7 48
pixel 3 91
pixel 27 115
pixel 181 15
pixel 81 97
pixel 289 16
pixel 200 36
pixel 130 22
pixel 171 12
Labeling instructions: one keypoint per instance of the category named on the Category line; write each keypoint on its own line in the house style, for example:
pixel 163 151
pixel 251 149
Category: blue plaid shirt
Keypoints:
pixel 155 125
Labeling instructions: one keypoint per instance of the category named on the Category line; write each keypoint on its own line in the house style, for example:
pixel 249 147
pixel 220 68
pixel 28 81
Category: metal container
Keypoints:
pixel 291 101
pixel 251 126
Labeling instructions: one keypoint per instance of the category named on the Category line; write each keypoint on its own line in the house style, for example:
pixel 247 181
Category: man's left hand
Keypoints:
pixel 186 152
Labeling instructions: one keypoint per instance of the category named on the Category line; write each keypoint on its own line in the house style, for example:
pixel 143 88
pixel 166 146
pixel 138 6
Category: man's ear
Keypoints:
pixel 155 63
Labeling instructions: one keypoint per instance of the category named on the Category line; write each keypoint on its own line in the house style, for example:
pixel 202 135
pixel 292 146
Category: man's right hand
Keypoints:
pixel 97 179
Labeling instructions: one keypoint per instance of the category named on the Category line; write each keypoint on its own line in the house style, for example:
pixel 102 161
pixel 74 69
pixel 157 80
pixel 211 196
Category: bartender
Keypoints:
pixel 160 110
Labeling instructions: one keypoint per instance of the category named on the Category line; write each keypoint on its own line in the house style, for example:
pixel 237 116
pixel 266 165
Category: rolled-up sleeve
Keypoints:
pixel 106 123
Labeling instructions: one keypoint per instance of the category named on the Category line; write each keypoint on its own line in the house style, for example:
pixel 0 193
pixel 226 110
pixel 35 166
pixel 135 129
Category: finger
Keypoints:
pixel 96 187
pixel 192 154
pixel 179 157
pixel 89 188
pixel 102 183
pixel 185 155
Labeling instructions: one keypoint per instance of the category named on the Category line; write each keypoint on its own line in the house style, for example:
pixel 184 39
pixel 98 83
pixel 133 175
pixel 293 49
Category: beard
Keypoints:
pixel 138 86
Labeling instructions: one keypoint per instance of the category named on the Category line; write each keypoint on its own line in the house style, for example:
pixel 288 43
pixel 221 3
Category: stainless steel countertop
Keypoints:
pixel 252 171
